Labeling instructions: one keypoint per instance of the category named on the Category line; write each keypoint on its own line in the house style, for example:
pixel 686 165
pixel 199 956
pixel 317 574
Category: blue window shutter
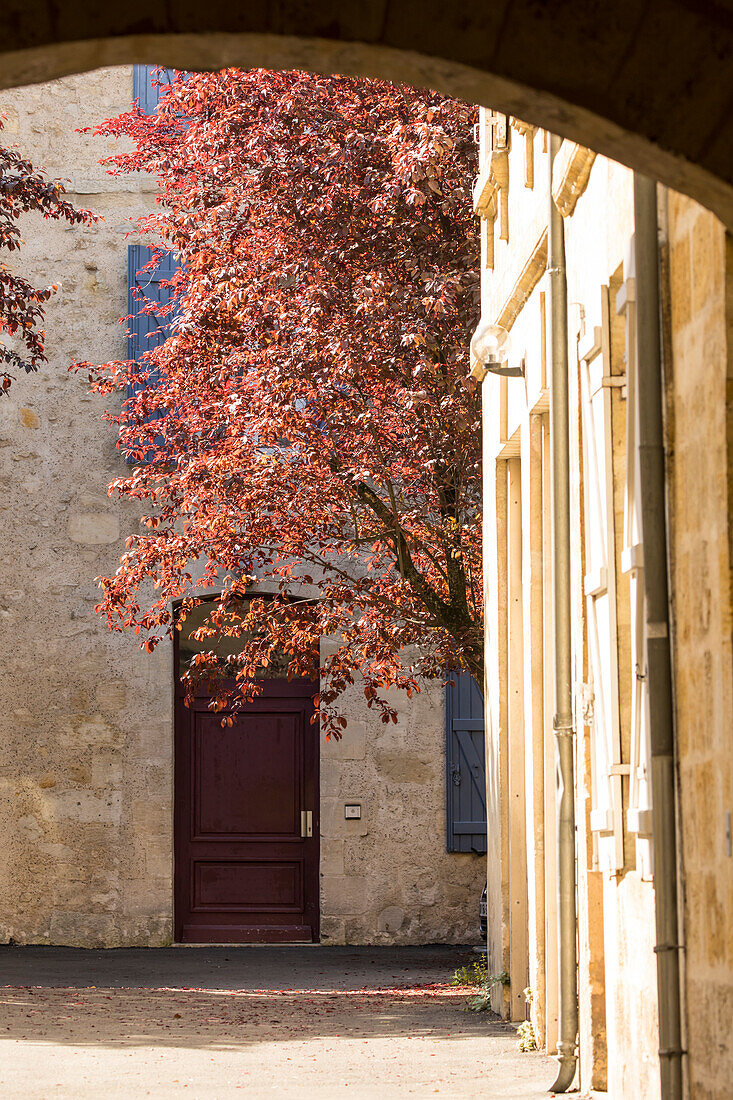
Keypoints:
pixel 144 90
pixel 146 330
pixel 465 765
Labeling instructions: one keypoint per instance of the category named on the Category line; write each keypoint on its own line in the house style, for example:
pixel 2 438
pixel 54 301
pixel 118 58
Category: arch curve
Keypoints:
pixel 647 83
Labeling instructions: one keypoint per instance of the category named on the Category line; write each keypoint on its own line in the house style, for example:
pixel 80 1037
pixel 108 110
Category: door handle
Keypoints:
pixel 306 823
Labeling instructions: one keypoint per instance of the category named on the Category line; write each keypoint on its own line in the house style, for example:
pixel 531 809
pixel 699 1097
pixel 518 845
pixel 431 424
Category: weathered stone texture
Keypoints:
pixel 700 414
pixel 76 743
pixel 388 877
pixel 86 722
pixel 618 987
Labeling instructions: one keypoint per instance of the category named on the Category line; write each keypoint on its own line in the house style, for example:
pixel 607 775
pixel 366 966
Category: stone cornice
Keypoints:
pixel 570 175
pixel 527 280
pixel 484 194
pixel 527 131
pixel 522 128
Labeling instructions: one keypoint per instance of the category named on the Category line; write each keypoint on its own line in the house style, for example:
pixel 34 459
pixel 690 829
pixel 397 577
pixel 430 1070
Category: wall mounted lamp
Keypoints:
pixel 490 353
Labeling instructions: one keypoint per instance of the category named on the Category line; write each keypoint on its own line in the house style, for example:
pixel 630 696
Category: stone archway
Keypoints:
pixel 648 84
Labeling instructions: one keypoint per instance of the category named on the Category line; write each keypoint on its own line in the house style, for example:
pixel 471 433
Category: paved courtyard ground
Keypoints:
pixel 219 1023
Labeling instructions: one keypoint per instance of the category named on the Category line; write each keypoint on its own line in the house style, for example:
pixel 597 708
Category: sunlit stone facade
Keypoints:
pixel 615 851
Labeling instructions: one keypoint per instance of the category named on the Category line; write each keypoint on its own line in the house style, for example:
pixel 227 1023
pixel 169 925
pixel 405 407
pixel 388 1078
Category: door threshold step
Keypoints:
pixel 259 943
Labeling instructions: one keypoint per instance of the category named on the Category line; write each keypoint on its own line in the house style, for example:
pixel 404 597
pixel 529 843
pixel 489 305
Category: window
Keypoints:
pixel 146 89
pixel 599 585
pixel 226 645
pixel 639 814
pixel 146 330
pixel 465 765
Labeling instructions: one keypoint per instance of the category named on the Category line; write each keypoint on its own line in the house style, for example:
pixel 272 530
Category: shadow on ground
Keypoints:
pixel 235 1019
pixel 226 998
pixel 286 1022
pixel 233 967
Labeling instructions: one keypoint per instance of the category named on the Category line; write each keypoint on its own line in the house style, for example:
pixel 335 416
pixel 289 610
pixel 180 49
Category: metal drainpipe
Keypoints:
pixel 658 658
pixel 563 720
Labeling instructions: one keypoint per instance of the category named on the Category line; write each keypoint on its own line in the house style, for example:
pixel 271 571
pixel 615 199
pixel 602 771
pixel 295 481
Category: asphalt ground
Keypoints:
pixel 230 967
pixel 216 1023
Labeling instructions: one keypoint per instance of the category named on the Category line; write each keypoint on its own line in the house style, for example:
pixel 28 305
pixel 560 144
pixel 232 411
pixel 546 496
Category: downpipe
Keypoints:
pixel 658 656
pixel 563 721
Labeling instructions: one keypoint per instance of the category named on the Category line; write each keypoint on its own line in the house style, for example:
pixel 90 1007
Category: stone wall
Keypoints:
pixel 700 427
pixel 85 780
pixel 616 899
pixel 620 1036
pixel 86 719
pixel 388 878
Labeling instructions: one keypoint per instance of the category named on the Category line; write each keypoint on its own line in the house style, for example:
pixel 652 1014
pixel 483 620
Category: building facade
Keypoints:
pixel 87 787
pixel 616 873
pixel 88 790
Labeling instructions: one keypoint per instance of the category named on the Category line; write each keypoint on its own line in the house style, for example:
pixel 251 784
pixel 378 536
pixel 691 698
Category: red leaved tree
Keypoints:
pixel 312 428
pixel 24 190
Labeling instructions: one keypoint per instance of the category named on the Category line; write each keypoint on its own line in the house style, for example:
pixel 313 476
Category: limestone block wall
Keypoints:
pixel 617 965
pixel 86 720
pixel 700 428
pixel 387 878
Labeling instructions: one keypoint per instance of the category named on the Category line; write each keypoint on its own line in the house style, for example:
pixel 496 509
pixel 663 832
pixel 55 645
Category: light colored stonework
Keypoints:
pixel 700 417
pixel 616 900
pixel 387 878
pixel 86 737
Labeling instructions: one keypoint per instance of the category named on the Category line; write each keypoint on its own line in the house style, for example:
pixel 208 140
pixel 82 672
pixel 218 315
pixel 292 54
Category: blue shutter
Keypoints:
pixel 146 330
pixel 465 765
pixel 144 91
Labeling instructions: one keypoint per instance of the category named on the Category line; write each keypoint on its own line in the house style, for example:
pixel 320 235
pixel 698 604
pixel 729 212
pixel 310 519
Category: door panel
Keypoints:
pixel 248 885
pixel 244 873
pixel 223 756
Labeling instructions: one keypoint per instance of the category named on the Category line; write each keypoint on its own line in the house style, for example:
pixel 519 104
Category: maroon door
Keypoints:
pixel 246 797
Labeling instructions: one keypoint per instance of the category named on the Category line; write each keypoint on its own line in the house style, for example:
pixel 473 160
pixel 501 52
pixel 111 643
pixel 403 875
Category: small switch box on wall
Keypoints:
pixel 352 811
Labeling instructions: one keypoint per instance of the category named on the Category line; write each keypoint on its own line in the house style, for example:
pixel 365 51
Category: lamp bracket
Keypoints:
pixel 505 371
